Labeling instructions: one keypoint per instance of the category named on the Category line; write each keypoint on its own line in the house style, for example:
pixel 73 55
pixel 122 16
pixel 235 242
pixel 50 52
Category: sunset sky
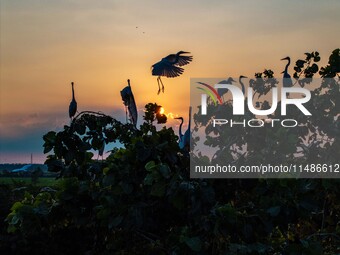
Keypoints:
pixel 45 44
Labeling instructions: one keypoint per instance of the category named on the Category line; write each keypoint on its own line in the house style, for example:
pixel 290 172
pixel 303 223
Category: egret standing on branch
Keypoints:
pixel 170 67
pixel 129 102
pixel 73 105
pixel 287 81
pixel 241 83
pixel 184 140
pixel 223 91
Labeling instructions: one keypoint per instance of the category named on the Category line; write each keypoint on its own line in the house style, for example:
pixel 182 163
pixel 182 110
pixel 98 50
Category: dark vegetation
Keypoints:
pixel 140 199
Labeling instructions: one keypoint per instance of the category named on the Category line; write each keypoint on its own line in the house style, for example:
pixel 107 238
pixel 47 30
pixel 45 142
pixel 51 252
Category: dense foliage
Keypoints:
pixel 140 199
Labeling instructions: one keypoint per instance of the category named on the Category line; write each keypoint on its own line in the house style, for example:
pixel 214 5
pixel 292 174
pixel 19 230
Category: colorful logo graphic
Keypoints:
pixel 212 92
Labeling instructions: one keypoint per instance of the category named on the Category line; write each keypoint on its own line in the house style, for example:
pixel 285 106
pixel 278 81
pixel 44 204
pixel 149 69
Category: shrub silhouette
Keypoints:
pixel 140 199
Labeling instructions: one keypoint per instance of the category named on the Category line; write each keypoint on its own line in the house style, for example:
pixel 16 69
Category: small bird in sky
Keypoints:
pixel 142 32
pixel 170 67
pixel 73 105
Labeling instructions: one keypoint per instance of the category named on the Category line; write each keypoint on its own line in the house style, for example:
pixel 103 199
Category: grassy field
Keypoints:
pixel 44 181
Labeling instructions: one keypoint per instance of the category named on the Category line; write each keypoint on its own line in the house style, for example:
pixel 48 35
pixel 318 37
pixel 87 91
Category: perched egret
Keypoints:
pixel 241 83
pixel 221 92
pixel 287 81
pixel 184 139
pixel 170 67
pixel 73 105
pixel 129 102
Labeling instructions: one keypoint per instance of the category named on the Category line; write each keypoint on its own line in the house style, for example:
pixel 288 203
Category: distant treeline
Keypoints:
pixel 10 170
pixel 10 167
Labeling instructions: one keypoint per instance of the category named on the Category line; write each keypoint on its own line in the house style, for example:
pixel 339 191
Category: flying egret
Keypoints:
pixel 73 105
pixel 170 67
pixel 287 80
pixel 184 139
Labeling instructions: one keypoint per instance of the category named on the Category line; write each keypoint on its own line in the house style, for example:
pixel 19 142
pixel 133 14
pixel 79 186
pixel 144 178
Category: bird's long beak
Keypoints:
pixel 282 71
pixel 286 58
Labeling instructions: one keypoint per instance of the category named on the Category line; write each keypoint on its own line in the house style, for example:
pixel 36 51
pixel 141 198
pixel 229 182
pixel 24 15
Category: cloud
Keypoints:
pixel 23 132
pixel 21 125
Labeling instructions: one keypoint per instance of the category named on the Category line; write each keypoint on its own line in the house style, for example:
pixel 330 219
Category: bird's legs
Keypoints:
pixel 162 84
pixel 159 81
pixel 159 88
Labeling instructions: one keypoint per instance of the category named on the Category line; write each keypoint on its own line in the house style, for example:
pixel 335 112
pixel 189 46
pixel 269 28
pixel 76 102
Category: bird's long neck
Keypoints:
pixel 189 124
pixel 72 91
pixel 180 128
pixel 242 85
pixel 286 68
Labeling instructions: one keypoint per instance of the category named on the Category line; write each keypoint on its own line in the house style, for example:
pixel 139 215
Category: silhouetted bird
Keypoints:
pixel 221 92
pixel 241 83
pixel 73 105
pixel 170 67
pixel 101 150
pixel 184 140
pixel 287 81
pixel 129 102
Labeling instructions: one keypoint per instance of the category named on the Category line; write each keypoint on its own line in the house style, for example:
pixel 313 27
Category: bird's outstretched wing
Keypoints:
pixel 163 68
pixel 177 59
pixel 170 58
pixel 183 60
